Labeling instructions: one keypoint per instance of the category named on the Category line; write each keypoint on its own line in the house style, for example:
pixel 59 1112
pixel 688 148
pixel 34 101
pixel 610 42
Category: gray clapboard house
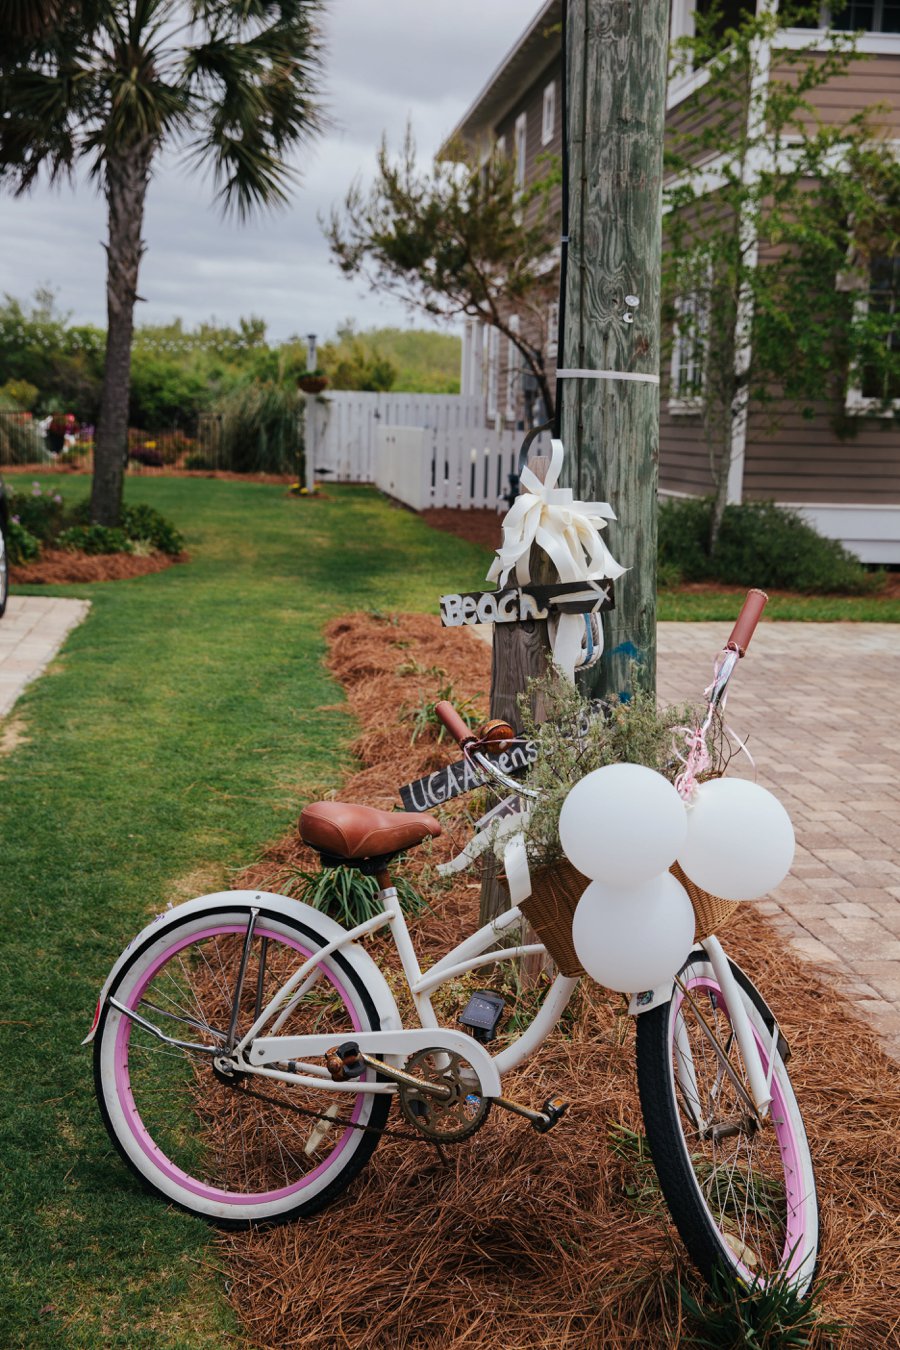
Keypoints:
pixel 848 486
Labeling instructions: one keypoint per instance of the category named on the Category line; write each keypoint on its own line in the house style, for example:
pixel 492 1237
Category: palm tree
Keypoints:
pixel 231 83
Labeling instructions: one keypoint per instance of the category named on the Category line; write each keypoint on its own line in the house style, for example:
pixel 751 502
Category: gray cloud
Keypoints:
pixel 388 62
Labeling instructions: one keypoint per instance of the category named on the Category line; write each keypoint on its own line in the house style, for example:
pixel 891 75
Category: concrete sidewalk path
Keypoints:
pixel 820 704
pixel 31 633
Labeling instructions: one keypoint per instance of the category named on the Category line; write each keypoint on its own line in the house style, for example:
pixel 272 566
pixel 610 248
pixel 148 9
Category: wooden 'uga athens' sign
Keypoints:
pixel 427 793
pixel 514 604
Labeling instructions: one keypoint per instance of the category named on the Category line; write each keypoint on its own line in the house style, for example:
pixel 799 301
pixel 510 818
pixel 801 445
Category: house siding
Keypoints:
pixel 803 460
pixel 683 456
pixel 696 114
pixel 867 82
pixel 791 459
pixel 532 104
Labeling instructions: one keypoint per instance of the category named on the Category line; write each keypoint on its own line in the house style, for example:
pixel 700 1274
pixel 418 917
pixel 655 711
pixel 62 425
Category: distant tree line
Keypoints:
pixel 49 364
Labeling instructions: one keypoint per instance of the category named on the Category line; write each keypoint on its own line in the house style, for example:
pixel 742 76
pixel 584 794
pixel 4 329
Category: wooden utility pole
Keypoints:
pixel 521 652
pixel 616 59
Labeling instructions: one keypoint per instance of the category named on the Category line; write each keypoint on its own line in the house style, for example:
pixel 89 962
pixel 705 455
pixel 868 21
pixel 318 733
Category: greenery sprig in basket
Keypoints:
pixel 574 737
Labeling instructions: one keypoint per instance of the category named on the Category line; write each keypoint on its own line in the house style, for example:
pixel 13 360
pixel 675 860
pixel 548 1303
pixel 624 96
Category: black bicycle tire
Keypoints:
pixel 370 1138
pixel 667 1144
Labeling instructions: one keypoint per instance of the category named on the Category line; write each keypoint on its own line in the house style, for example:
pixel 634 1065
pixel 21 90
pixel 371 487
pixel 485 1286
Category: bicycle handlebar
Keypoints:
pixel 470 744
pixel 747 620
pixel 454 724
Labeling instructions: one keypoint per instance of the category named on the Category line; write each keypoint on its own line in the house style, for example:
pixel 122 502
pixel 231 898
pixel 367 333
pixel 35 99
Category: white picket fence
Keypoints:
pixel 460 468
pixel 348 421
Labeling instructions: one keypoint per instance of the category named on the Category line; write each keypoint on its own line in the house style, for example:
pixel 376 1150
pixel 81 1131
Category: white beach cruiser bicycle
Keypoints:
pixel 247 1049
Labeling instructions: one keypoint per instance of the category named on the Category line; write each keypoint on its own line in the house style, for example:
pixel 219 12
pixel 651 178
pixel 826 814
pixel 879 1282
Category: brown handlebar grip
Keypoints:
pixel 453 722
pixel 747 620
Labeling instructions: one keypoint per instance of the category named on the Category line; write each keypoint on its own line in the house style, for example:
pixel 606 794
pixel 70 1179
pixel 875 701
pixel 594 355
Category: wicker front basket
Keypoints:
pixel 556 891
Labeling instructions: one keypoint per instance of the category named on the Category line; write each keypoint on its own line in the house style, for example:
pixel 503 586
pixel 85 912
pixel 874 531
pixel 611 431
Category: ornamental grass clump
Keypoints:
pixel 577 736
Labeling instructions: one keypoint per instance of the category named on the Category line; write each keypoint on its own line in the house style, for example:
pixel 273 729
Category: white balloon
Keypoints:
pixel 622 824
pixel 740 841
pixel 633 938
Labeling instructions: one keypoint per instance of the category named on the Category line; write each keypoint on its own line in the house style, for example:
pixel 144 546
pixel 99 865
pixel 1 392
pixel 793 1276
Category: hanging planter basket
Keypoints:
pixel 312 384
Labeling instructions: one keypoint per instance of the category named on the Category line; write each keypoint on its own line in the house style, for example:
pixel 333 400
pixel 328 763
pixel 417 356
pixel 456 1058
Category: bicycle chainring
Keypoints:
pixel 447 1120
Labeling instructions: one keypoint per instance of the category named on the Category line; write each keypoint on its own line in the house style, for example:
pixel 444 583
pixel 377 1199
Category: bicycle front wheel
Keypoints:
pixel 741 1193
pixel 242 1149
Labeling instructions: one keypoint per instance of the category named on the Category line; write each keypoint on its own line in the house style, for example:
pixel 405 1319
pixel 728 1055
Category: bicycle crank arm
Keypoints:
pixel 407 1079
pixel 551 1112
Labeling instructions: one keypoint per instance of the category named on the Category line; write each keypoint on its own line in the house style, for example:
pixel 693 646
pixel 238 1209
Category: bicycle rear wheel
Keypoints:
pixel 742 1195
pixel 236 1150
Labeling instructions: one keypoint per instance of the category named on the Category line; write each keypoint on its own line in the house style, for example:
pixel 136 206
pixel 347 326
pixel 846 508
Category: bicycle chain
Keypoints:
pixel 418 1137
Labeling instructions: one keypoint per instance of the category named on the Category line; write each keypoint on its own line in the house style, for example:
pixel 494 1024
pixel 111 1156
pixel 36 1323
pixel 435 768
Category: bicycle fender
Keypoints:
pixel 325 927
pixel 650 998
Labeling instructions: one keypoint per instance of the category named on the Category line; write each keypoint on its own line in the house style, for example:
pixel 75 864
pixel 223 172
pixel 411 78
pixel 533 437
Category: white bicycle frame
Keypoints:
pixel 260 1053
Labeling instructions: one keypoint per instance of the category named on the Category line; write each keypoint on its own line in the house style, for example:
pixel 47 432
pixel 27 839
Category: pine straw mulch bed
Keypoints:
pixel 57 567
pixel 520 1240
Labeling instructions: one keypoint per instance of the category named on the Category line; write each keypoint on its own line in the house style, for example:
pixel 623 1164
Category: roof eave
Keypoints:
pixel 534 48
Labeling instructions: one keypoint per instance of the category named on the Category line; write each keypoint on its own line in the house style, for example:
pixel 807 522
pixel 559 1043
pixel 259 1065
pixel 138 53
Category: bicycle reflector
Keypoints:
pixel 482 1015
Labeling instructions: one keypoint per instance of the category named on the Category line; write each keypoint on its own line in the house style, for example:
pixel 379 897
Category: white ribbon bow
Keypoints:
pixel 568 532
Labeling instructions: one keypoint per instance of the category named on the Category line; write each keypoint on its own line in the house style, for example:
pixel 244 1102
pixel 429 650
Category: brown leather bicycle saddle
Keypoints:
pixel 354 833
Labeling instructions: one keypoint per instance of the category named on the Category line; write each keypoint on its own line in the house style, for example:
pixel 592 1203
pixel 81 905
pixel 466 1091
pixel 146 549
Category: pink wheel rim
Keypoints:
pixel 794 1252
pixel 126 1098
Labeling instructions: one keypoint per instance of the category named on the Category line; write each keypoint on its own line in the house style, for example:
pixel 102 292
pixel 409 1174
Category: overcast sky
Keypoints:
pixel 387 61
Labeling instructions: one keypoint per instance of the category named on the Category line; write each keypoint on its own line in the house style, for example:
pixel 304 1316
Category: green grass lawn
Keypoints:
pixel 690 606
pixel 166 747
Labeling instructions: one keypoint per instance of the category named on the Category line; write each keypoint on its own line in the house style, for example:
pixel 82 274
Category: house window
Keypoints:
pixel 689 349
pixel 872 16
pixel 723 14
pixel 501 146
pixel 548 121
pixel 691 19
pixel 521 134
pixel 881 381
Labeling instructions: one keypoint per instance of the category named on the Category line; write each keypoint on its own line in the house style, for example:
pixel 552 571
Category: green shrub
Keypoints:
pixel 75 454
pixel 763 544
pixel 40 513
pixel 22 547
pixel 759 544
pixel 683 533
pixel 95 539
pixel 199 460
pixel 141 524
pixel 145 525
pixel 260 429
pixel 20 393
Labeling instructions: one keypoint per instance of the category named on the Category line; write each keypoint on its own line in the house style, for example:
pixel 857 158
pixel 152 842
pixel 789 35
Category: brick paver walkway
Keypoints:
pixel 31 633
pixel 820 704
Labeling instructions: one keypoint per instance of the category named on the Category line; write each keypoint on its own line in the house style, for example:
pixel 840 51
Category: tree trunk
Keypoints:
pixel 127 172
pixel 720 496
pixel 616 59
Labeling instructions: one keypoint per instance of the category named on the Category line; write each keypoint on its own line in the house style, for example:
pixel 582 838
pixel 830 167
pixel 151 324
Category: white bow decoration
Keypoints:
pixel 568 532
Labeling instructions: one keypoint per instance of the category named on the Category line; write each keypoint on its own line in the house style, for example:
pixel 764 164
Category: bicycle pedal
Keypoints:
pixel 553 1110
pixel 344 1062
